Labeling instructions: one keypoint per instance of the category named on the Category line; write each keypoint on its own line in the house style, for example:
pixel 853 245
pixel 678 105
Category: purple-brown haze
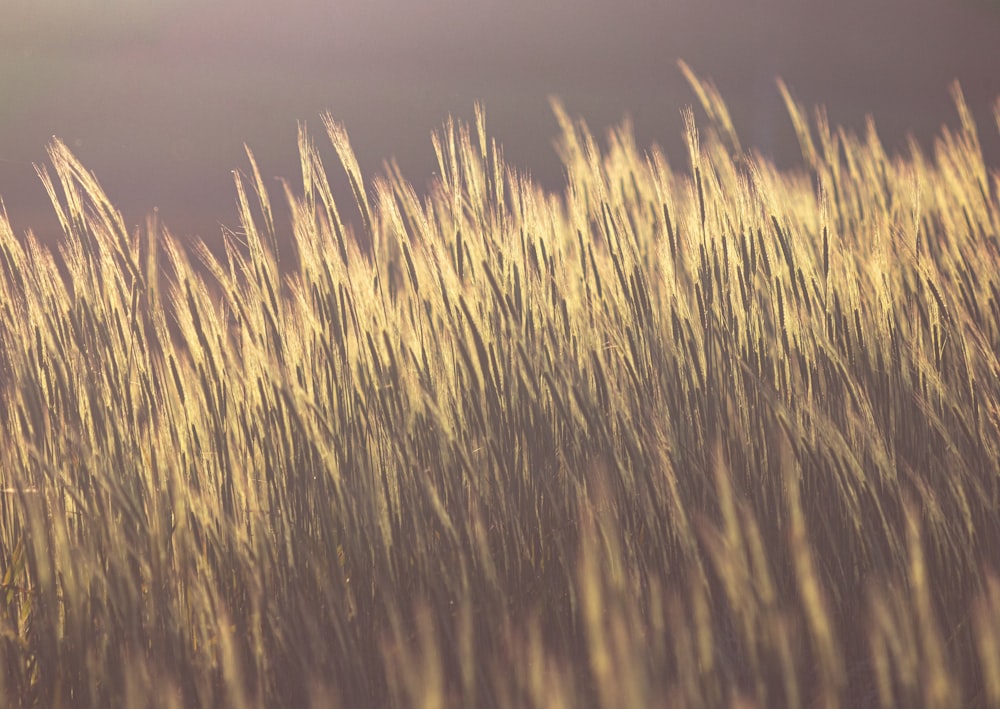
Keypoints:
pixel 158 97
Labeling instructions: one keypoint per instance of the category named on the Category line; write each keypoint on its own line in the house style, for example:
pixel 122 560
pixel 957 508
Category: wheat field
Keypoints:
pixel 702 433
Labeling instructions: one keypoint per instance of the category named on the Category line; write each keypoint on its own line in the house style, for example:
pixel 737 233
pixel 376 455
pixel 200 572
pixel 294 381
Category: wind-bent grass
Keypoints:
pixel 713 436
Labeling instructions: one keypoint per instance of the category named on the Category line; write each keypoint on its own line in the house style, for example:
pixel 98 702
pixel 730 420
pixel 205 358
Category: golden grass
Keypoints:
pixel 720 435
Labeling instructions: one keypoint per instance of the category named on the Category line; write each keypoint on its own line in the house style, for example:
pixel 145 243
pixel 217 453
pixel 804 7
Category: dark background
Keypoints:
pixel 158 96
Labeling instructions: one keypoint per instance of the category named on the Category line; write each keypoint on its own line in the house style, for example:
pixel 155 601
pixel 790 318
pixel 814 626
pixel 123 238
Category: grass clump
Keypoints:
pixel 719 435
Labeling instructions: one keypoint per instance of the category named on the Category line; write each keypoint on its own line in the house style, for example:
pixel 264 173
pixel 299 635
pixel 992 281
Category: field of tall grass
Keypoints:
pixel 700 433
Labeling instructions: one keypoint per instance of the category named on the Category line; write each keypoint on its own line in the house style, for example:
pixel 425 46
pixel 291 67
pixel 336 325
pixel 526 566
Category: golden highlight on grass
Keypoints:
pixel 719 435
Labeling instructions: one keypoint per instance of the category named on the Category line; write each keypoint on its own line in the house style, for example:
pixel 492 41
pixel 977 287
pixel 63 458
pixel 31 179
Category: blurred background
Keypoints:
pixel 157 97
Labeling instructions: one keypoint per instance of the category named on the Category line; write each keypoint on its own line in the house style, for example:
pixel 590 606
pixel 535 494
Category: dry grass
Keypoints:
pixel 718 435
